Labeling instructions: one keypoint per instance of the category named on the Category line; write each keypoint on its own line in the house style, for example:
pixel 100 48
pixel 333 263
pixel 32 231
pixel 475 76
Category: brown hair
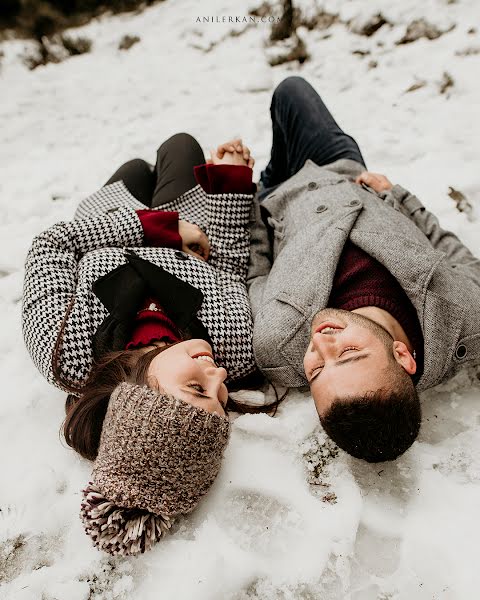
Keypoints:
pixel 379 425
pixel 87 408
pixel 83 424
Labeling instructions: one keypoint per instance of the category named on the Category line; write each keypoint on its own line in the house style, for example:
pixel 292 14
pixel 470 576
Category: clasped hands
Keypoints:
pixel 194 240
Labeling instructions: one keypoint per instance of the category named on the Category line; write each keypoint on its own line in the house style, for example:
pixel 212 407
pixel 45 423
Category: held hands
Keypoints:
pixel 194 241
pixel 378 183
pixel 231 153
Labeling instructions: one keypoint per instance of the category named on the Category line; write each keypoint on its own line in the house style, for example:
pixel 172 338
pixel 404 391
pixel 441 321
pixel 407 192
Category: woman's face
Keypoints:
pixel 187 371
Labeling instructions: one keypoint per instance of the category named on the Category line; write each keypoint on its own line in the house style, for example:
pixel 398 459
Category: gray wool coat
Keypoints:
pixel 297 235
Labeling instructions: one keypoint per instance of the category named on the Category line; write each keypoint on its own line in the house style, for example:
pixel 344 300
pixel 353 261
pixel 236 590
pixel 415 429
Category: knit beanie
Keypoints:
pixel 157 457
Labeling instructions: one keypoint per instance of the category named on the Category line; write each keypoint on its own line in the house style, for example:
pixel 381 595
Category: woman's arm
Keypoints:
pixel 51 289
pixel 230 193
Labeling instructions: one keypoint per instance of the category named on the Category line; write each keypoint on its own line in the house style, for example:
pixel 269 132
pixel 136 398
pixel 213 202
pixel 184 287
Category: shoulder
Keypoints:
pixel 107 198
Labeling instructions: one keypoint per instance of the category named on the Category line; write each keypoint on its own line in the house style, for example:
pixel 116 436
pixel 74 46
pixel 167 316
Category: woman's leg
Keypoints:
pixel 138 177
pixel 303 128
pixel 176 158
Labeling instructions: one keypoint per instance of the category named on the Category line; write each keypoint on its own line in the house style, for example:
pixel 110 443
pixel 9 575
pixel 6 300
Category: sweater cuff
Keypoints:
pixel 225 179
pixel 160 228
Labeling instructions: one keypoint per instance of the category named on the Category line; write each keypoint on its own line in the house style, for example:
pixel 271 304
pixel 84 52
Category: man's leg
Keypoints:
pixel 139 179
pixel 303 128
pixel 176 158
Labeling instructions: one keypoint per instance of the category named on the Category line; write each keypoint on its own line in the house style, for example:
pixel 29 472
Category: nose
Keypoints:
pixel 216 387
pixel 324 343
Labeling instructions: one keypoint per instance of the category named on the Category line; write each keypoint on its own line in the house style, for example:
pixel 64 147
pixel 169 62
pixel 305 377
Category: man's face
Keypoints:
pixel 346 357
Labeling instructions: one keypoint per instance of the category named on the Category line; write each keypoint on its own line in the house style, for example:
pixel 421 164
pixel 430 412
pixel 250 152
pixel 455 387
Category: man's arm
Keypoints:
pixel 441 239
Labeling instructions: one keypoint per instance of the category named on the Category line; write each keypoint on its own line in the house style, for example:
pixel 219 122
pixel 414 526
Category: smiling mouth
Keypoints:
pixel 329 328
pixel 204 356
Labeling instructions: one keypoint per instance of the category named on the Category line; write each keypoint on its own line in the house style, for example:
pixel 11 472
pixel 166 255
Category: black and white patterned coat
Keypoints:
pixel 65 260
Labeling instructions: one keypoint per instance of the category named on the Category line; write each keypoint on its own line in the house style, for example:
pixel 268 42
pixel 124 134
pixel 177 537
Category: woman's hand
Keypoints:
pixel 231 153
pixel 194 241
pixel 378 183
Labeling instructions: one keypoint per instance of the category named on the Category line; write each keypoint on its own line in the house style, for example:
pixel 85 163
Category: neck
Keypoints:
pixel 385 320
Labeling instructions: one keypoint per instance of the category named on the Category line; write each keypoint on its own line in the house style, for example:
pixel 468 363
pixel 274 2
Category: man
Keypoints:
pixel 355 288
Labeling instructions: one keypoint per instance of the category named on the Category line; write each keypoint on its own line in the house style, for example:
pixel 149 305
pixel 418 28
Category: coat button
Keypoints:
pixel 312 185
pixel 181 255
pixel 353 203
pixel 461 351
pixel 321 208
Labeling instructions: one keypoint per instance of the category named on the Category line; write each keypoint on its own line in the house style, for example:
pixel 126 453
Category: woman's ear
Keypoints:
pixel 404 357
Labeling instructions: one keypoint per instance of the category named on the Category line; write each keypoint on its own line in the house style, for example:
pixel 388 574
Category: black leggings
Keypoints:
pixel 171 176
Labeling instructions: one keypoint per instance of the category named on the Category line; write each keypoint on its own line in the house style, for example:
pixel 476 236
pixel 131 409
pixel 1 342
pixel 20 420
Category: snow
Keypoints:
pixel 288 517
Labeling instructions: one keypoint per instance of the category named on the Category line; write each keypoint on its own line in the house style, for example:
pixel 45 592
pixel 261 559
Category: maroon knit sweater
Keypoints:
pixel 360 281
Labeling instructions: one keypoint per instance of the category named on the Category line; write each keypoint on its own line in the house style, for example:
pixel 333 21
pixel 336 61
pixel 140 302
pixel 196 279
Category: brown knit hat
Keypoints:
pixel 157 457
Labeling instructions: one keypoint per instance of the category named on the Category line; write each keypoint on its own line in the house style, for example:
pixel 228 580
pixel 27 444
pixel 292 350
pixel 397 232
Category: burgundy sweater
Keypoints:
pixel 360 281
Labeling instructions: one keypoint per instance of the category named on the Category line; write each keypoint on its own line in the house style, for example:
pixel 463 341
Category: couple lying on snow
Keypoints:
pixel 175 283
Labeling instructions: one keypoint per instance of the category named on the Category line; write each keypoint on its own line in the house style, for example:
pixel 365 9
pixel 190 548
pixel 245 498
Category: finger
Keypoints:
pixel 361 177
pixel 367 178
pixel 251 162
pixel 205 245
pixel 199 242
pixel 189 251
pixel 226 147
pixel 246 152
pixel 236 144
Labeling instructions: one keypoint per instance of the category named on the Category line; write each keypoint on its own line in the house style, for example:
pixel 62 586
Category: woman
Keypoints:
pixel 138 308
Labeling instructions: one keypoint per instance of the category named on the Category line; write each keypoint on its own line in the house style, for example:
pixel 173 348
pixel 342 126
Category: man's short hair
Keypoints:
pixel 378 426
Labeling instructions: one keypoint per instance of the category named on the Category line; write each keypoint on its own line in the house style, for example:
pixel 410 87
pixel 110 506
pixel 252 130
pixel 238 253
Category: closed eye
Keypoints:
pixel 348 350
pixel 198 388
pixel 316 370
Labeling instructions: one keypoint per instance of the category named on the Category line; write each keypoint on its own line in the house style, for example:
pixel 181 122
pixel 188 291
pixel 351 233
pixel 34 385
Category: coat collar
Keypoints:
pixel 123 290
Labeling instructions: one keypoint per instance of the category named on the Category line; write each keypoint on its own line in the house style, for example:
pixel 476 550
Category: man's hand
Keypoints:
pixel 377 182
pixel 194 241
pixel 231 153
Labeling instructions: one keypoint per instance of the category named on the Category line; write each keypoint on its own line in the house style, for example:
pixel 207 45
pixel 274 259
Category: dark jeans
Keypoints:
pixel 172 175
pixel 302 128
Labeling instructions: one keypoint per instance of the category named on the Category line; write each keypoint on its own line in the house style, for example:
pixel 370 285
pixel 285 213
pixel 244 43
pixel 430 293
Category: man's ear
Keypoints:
pixel 402 355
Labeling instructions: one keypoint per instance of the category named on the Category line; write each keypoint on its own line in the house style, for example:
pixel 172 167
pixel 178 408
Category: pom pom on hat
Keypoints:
pixel 117 530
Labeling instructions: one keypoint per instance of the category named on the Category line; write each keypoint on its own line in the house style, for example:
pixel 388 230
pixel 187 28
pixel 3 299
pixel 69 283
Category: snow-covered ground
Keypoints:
pixel 407 530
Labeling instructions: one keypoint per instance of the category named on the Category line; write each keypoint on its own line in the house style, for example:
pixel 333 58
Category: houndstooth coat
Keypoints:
pixel 64 262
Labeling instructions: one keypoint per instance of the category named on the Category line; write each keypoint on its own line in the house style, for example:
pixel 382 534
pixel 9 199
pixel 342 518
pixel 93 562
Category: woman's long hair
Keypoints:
pixel 85 414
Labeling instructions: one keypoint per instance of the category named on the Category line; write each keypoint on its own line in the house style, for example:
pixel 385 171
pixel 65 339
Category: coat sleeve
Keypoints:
pixel 51 292
pixel 441 239
pixel 228 232
pixel 261 258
